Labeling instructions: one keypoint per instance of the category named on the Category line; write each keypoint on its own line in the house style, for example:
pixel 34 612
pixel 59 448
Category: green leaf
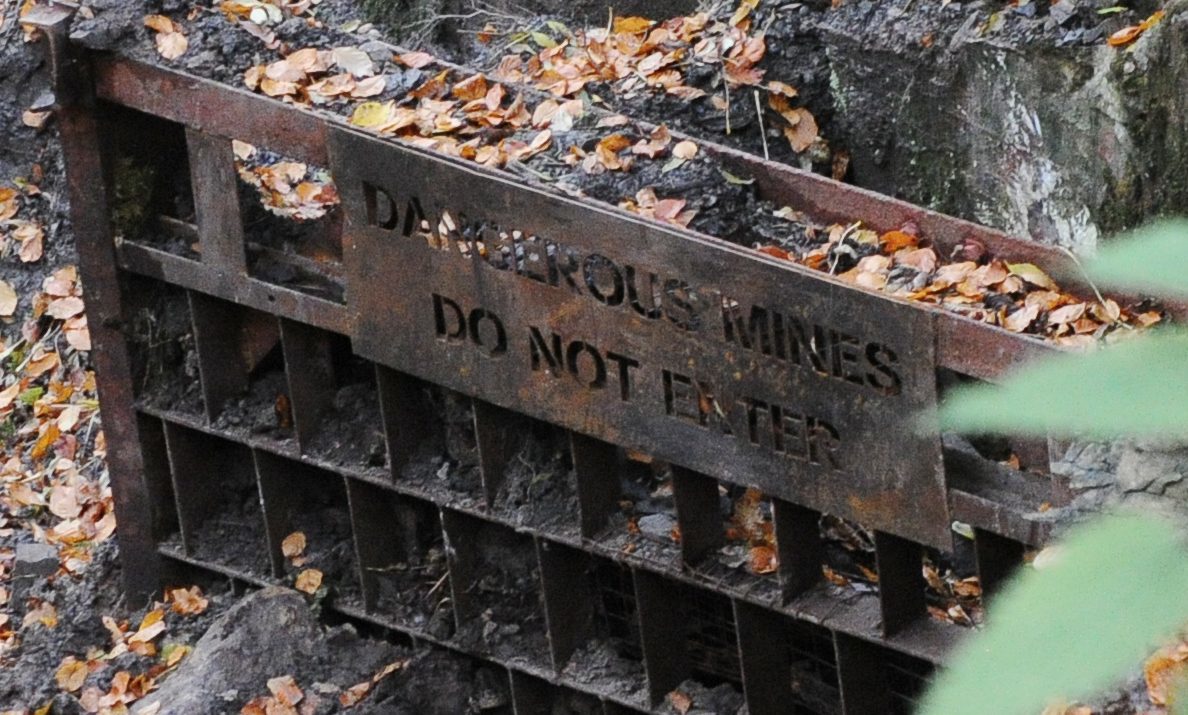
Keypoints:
pixel 1136 387
pixel 1112 10
pixel 1075 627
pixel 543 40
pixel 732 179
pixel 1153 259
pixel 31 395
pixel 559 27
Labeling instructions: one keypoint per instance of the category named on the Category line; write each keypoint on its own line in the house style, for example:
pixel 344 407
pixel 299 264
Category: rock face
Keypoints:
pixel 1063 145
pixel 270 633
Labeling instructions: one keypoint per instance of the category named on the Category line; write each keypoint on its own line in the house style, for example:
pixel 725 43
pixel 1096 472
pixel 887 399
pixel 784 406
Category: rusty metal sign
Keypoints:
pixel 699 353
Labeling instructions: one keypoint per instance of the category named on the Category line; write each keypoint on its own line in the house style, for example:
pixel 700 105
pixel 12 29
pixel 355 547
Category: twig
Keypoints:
pixel 437 585
pixel 726 87
pixel 1084 274
pixel 762 130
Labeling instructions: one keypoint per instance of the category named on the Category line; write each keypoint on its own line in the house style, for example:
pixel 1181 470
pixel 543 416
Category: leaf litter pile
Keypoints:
pixel 538 116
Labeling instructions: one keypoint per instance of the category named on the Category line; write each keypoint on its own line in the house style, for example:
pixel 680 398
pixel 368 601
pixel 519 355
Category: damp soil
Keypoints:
pixel 414 591
pixel 448 462
pixel 604 664
pixel 350 432
pixel 161 349
pixel 505 595
pixel 233 535
pixel 257 413
pixel 645 525
pixel 722 699
pixel 539 487
pixel 329 548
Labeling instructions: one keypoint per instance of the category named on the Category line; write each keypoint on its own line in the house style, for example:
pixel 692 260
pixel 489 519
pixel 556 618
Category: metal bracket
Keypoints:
pixel 52 19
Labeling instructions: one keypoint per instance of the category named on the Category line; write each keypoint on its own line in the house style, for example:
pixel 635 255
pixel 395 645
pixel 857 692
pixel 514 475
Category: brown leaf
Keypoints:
pixel 1163 671
pixel 159 23
pixel 804 132
pixel 680 702
pixel 285 689
pixel 35 120
pixel 64 308
pixel 471 88
pixel 309 581
pixel 631 25
pixel 293 545
pixel 71 674
pixel 894 240
pixel 1018 321
pixel 32 241
pixel 415 60
pixel 188 601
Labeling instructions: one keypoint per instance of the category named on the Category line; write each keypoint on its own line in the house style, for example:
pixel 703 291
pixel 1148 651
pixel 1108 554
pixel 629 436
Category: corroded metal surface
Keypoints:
pixel 719 360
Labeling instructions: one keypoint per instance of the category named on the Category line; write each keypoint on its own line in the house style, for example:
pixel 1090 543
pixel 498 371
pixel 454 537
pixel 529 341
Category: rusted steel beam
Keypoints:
pixel 212 108
pixel 258 294
pixel 90 197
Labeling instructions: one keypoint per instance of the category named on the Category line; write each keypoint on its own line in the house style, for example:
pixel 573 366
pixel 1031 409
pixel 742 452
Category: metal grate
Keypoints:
pixel 471 443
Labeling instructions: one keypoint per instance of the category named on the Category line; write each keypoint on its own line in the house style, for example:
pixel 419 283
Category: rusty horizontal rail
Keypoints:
pixel 398 407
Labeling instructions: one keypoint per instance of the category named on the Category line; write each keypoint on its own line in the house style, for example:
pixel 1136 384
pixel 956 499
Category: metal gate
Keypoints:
pixel 561 453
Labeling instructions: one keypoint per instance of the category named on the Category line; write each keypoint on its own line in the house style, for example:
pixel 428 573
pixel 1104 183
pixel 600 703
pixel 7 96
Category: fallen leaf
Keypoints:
pixel 151 626
pixel 293 545
pixel 685 150
pixel 43 613
pixel 370 115
pixel 64 308
pixel 8 300
pixel 352 695
pixel 631 25
pixel 1032 274
pixel 172 45
pixel 353 60
pixel 309 581
pixel 1164 670
pixel 762 560
pixel 415 60
pixel 188 601
pixel 680 702
pixel 71 674
pixel 159 23
pixel 285 689
pixel 35 120
pixel 1018 321
pixel 802 134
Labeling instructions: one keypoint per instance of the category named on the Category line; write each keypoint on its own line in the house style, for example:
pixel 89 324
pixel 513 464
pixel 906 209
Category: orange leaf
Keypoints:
pixel 631 25
pixel 762 560
pixel 894 240
pixel 775 251
pixel 309 581
pixel 71 674
pixel 1125 36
